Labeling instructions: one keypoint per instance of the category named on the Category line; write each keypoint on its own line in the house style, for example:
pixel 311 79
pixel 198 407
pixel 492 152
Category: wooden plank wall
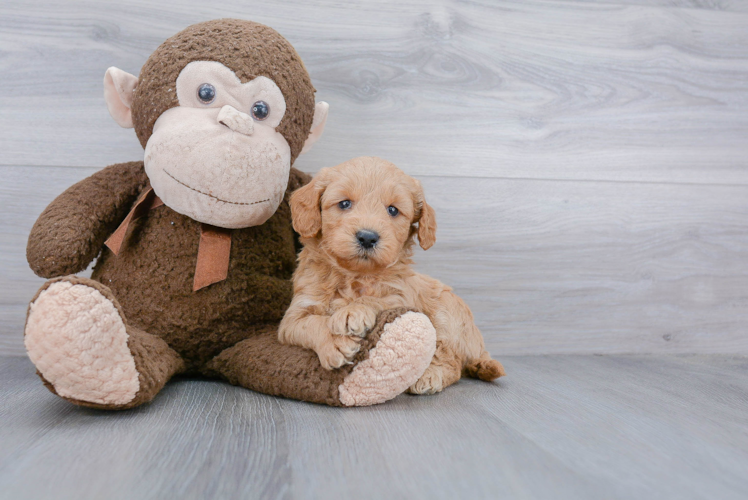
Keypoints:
pixel 587 159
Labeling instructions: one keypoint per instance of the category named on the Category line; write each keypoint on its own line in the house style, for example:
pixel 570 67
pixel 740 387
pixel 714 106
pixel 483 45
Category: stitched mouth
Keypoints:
pixel 214 197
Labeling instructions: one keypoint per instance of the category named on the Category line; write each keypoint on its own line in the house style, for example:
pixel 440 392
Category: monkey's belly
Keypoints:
pixel 153 274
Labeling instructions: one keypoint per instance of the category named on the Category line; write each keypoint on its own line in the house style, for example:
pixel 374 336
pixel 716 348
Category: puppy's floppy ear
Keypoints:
pixel 426 220
pixel 305 210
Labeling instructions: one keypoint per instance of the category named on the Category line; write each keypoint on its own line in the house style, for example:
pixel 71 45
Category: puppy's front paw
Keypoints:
pixel 353 319
pixel 431 382
pixel 337 351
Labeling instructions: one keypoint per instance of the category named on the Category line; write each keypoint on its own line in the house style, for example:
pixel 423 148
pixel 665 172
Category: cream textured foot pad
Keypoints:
pixel 78 341
pixel 403 353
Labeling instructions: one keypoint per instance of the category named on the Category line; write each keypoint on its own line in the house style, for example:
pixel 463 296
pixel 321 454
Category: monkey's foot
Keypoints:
pixel 403 352
pixel 78 340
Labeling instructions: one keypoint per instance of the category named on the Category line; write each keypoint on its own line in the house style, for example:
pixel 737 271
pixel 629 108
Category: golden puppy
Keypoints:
pixel 358 222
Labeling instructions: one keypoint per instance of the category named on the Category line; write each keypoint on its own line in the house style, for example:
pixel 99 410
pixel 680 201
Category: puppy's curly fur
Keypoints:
pixel 358 222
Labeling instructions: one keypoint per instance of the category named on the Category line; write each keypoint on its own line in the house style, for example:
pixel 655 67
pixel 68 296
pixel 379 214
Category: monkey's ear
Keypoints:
pixel 305 210
pixel 426 220
pixel 118 87
pixel 318 125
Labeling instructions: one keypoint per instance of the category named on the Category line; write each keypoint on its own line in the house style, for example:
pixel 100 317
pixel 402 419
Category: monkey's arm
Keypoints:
pixel 268 297
pixel 71 231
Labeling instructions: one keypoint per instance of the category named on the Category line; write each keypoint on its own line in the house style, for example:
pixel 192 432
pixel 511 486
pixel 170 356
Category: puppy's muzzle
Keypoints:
pixel 367 239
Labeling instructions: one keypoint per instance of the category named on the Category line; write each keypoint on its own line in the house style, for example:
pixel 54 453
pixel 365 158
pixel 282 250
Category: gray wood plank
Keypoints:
pixel 721 5
pixel 628 90
pixel 557 427
pixel 547 266
pixel 595 267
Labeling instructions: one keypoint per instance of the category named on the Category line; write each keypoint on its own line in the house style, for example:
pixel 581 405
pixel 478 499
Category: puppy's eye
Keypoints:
pixel 345 204
pixel 206 93
pixel 260 110
pixel 392 211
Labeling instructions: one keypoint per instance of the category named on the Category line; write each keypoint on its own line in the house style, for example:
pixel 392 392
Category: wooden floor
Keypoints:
pixel 557 427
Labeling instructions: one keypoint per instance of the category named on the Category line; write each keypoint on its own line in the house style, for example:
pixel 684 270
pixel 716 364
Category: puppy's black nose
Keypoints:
pixel 367 239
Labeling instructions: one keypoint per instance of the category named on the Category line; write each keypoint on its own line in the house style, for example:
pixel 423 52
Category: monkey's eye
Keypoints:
pixel 392 211
pixel 206 93
pixel 260 110
pixel 345 204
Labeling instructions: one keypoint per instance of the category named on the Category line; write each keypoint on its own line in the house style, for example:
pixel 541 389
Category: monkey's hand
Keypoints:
pixel 71 231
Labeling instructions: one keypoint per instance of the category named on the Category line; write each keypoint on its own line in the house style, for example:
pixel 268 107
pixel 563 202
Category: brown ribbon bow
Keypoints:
pixel 212 253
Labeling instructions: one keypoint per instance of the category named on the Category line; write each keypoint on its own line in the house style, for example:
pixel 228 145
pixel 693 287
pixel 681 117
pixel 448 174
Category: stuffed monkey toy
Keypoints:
pixel 194 245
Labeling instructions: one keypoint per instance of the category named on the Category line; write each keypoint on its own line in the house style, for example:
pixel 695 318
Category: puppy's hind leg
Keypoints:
pixel 484 368
pixel 455 324
pixel 445 369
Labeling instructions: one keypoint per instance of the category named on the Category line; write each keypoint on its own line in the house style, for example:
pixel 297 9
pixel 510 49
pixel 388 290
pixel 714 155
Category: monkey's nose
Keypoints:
pixel 367 239
pixel 236 120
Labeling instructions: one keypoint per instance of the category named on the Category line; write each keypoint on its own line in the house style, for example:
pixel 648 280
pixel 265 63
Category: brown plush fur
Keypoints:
pixel 250 50
pixel 264 365
pixel 71 231
pixel 339 287
pixel 152 275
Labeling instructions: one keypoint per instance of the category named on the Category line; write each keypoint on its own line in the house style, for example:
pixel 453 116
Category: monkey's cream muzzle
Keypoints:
pixel 214 162
pixel 217 168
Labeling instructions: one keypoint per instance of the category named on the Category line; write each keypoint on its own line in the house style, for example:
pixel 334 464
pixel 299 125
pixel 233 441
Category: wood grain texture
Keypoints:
pixel 522 89
pixel 546 266
pixel 595 267
pixel 587 158
pixel 576 427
